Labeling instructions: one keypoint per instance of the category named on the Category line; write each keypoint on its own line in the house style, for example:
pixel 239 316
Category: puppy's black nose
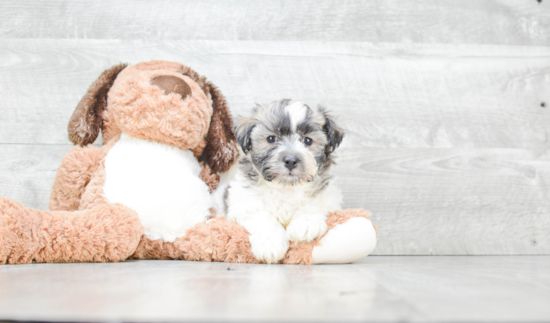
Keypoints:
pixel 290 162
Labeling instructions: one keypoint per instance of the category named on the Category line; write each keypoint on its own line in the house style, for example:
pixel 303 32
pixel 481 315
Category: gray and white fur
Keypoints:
pixel 281 188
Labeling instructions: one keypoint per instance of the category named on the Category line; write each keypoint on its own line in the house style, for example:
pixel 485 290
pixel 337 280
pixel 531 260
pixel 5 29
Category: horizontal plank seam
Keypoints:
pixel 32 144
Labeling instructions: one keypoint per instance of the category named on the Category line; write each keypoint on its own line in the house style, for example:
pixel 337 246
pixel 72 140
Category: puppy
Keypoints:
pixel 281 188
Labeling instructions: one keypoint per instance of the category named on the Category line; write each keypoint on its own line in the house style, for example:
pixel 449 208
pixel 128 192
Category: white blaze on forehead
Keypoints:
pixel 297 112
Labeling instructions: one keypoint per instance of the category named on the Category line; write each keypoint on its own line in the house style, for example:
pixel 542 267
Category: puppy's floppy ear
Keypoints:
pixel 334 133
pixel 86 121
pixel 243 129
pixel 221 147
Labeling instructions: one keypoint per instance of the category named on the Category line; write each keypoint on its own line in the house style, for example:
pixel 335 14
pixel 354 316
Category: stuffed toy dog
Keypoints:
pixel 145 194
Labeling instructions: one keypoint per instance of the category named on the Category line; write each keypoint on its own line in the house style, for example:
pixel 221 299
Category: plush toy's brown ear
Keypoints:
pixel 221 148
pixel 86 121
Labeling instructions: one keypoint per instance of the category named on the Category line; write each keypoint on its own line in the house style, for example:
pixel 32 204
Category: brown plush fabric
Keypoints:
pixel 144 111
pixel 221 148
pixel 93 194
pixel 340 217
pixel 172 84
pixel 156 249
pixel 79 179
pixel 299 253
pixel 72 177
pixel 218 240
pixel 197 151
pixel 211 178
pixel 110 129
pixel 86 121
pixel 101 234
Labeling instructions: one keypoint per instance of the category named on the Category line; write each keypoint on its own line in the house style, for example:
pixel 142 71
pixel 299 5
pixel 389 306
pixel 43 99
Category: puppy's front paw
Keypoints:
pixel 269 247
pixel 306 228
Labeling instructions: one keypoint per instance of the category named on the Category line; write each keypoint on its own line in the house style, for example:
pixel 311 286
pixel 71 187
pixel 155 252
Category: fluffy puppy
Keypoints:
pixel 280 190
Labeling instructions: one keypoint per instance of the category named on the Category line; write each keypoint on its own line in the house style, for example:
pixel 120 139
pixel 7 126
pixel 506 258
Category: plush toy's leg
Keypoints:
pixel 216 240
pixel 350 237
pixel 100 234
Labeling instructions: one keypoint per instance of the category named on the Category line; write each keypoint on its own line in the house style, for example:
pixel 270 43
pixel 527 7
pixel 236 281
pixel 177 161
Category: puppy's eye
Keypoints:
pixel 271 139
pixel 308 141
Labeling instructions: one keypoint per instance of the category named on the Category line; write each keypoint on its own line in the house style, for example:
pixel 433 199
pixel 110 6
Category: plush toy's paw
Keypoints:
pixel 345 243
pixel 306 228
pixel 269 246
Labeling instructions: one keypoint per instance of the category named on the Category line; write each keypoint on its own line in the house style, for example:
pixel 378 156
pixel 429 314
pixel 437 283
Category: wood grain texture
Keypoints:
pixel 429 201
pixel 27 172
pixel 448 145
pixel 386 95
pixel 509 22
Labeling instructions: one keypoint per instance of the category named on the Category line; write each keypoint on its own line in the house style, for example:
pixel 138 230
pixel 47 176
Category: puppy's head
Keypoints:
pixel 286 142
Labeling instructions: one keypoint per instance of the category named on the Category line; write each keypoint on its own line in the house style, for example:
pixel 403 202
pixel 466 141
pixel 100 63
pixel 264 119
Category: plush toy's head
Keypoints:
pixel 162 101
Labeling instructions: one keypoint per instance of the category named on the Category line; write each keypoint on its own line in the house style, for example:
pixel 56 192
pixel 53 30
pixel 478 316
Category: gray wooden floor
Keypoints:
pixel 447 139
pixel 376 289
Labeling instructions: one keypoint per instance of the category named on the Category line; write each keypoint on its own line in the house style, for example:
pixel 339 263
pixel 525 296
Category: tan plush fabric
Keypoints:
pixel 144 111
pixel 79 179
pixel 110 129
pixel 218 240
pixel 72 177
pixel 101 234
pixel 211 178
pixel 340 217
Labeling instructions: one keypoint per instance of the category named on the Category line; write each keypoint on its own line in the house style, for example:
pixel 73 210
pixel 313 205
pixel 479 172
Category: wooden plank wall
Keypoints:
pixel 448 141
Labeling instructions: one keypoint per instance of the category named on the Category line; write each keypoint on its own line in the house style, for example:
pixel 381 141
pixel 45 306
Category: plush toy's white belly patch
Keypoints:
pixel 160 182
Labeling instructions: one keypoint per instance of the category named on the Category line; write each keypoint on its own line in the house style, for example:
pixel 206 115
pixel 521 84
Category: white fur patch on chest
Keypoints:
pixel 283 203
pixel 160 182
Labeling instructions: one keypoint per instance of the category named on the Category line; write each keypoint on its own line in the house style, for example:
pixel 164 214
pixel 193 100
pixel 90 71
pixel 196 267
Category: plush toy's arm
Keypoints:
pixel 73 175
pixel 350 237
